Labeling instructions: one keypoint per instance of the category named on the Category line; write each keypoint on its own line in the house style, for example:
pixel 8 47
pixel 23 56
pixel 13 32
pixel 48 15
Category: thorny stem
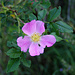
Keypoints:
pixel 18 22
pixel 21 21
pixel 18 18
pixel 16 13
pixel 12 11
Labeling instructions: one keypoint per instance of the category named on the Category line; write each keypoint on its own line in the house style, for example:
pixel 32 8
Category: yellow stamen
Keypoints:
pixel 35 37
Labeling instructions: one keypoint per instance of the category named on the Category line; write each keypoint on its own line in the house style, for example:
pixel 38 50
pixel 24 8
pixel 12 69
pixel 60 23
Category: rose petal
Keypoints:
pixel 24 43
pixel 34 49
pixel 48 40
pixel 40 27
pixel 41 50
pixel 29 28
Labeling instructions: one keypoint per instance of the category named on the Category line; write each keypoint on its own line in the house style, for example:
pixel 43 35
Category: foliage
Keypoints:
pixel 57 60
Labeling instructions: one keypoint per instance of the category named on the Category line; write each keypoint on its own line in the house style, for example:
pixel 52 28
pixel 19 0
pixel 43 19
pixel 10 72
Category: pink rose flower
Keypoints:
pixel 35 41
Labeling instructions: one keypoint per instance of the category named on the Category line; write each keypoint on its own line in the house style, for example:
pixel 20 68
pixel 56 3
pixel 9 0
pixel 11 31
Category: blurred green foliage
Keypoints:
pixel 56 60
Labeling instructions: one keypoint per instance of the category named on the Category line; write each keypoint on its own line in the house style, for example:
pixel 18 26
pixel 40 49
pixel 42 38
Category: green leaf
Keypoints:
pixel 63 27
pixel 42 14
pixel 51 27
pixel 35 4
pixel 46 4
pixel 9 44
pixel 32 17
pixel 57 37
pixel 14 44
pixel 13 64
pixel 53 14
pixel 55 27
pixel 25 62
pixel 13 53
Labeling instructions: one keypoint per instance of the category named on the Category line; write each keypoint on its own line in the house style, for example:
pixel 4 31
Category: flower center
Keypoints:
pixel 35 37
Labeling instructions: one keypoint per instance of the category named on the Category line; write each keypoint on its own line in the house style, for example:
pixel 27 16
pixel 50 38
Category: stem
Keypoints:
pixel 18 23
pixel 21 21
pixel 18 26
pixel 18 18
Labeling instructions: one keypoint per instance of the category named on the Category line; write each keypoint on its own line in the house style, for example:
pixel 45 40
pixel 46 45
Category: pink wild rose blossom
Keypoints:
pixel 34 30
